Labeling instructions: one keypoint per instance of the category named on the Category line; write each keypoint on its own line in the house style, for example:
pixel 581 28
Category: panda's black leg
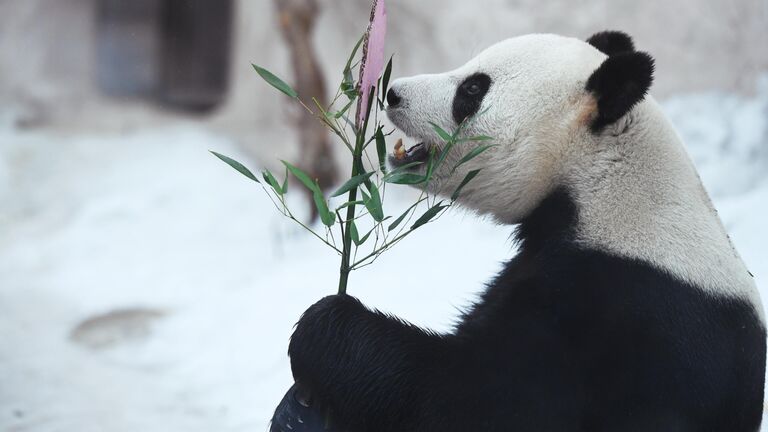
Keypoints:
pixel 296 413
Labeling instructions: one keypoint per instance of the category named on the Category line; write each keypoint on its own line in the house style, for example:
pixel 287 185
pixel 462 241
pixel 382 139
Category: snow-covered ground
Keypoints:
pixel 145 286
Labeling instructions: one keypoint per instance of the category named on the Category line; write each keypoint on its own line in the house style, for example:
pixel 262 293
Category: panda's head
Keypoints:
pixel 542 98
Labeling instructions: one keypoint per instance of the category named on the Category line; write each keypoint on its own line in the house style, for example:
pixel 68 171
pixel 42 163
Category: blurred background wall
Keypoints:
pixel 111 64
pixel 61 58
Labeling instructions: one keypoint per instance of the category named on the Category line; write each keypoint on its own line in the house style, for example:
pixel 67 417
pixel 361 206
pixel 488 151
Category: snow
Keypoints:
pixel 145 286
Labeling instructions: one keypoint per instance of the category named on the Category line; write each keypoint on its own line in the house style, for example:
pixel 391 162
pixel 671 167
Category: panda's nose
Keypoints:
pixel 393 99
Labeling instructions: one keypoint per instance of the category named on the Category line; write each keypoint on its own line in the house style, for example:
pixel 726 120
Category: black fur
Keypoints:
pixel 612 42
pixel 469 96
pixel 296 413
pixel 618 84
pixel 393 99
pixel 564 339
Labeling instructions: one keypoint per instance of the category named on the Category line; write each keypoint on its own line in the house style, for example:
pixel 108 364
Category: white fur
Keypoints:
pixel 639 196
pixel 637 193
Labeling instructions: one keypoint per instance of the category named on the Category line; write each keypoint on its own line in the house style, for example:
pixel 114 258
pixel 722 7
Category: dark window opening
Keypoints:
pixel 173 52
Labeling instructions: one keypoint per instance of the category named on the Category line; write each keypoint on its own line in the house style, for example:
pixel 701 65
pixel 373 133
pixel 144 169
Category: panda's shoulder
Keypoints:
pixel 562 278
pixel 617 302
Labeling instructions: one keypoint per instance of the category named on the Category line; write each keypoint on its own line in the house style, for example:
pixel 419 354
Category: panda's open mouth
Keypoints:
pixel 414 154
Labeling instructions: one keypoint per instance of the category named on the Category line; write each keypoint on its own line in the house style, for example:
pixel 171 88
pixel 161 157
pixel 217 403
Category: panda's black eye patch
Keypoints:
pixel 469 96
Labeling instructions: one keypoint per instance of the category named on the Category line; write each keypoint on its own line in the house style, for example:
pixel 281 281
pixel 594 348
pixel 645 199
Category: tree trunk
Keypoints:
pixel 297 19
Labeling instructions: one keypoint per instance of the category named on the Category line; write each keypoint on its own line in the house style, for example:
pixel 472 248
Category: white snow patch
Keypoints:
pixel 149 219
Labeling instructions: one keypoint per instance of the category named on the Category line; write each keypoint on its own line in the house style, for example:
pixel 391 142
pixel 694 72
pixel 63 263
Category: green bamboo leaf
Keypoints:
pixel 405 178
pixel 275 82
pixel 472 154
pixel 326 216
pixel 348 66
pixel 349 203
pixel 348 88
pixel 365 237
pixel 403 168
pixel 353 232
pixel 401 171
pixel 344 110
pixel 381 149
pixel 402 217
pixel 356 235
pixel 236 165
pixel 477 138
pixel 470 175
pixel 379 101
pixel 445 136
pixel 303 178
pixel 351 93
pixel 428 215
pixel 444 153
pixel 430 163
pixel 373 203
pixel 348 81
pixel 352 183
pixel 285 182
pixel 385 78
pixel 272 181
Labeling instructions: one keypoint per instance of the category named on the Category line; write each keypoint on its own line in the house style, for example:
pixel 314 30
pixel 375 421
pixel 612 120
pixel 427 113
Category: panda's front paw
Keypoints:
pixel 296 413
pixel 320 337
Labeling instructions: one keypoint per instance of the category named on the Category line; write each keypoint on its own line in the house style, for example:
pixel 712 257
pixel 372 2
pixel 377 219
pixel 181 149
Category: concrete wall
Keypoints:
pixel 46 56
pixel 47 47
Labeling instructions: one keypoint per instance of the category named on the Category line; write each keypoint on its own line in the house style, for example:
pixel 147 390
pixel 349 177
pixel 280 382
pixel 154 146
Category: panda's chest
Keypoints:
pixel 615 316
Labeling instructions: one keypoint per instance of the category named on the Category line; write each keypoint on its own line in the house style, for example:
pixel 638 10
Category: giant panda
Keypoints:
pixel 626 308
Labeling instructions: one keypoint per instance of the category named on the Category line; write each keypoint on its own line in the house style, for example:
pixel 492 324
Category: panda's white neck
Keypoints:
pixel 638 195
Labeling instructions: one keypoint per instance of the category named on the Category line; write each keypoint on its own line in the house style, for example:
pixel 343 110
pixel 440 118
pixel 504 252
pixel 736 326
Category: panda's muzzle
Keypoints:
pixel 397 111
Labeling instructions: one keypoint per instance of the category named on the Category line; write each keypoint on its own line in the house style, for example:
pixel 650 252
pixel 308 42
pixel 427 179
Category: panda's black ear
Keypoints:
pixel 612 42
pixel 618 84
